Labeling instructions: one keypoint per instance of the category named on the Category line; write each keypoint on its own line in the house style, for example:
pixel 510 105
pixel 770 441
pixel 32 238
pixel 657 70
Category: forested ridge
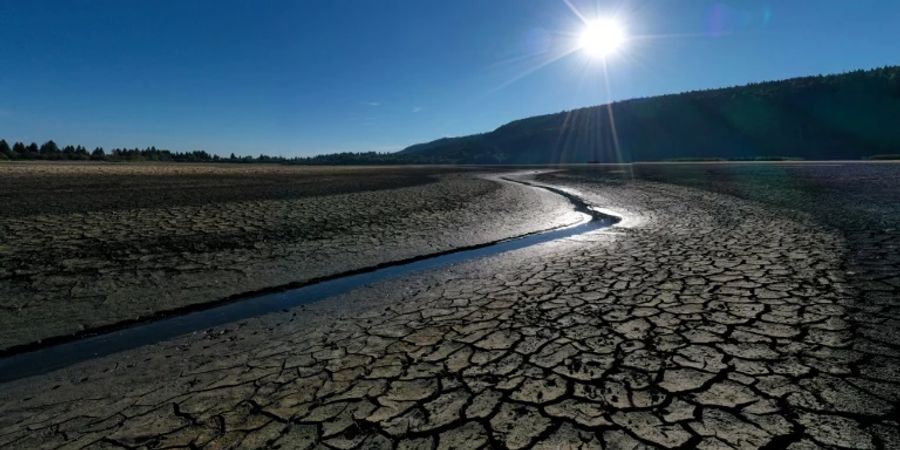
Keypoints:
pixel 848 116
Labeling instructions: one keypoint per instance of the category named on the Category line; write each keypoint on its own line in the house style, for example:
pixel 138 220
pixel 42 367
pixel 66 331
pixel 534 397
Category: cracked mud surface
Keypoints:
pixel 90 245
pixel 701 321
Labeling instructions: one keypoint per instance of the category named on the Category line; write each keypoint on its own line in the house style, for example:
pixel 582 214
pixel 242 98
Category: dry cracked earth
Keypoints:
pixel 87 245
pixel 705 319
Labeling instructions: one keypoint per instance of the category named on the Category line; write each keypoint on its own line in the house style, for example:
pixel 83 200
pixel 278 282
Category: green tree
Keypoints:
pixel 5 150
pixel 19 150
pixel 49 149
pixel 68 152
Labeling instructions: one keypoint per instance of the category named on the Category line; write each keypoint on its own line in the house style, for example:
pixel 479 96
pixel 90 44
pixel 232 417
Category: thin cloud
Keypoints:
pixel 374 103
pixel 417 109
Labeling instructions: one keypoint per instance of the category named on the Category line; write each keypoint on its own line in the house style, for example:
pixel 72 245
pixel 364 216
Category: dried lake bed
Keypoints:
pixel 89 246
pixel 734 306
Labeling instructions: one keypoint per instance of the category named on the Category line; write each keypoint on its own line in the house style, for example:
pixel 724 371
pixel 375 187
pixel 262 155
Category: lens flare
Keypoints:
pixel 602 38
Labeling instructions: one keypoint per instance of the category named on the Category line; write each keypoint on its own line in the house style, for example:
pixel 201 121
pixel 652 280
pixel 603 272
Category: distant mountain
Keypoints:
pixel 848 116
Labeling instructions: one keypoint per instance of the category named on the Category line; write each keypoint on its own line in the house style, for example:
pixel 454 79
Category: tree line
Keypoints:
pixel 50 151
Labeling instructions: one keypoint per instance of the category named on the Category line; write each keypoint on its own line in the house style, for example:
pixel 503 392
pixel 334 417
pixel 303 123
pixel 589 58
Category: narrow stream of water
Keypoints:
pixel 52 357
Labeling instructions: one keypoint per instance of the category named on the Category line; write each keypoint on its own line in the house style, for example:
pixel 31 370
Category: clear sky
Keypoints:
pixel 307 77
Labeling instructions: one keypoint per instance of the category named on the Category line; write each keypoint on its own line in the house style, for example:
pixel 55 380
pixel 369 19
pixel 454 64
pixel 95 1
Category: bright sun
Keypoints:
pixel 602 37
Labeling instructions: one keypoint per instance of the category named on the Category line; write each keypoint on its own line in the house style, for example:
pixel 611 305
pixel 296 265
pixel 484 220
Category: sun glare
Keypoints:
pixel 601 38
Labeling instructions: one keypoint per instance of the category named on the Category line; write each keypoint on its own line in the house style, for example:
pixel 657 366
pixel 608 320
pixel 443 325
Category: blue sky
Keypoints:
pixel 307 77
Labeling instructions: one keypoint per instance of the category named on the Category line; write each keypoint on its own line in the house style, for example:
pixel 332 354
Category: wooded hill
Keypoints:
pixel 848 116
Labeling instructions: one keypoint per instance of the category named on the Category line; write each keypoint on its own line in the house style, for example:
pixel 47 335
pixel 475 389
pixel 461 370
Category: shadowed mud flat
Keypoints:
pixel 704 319
pixel 89 245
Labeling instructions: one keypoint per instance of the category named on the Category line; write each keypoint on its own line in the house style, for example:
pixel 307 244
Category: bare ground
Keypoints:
pixel 89 245
pixel 702 320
